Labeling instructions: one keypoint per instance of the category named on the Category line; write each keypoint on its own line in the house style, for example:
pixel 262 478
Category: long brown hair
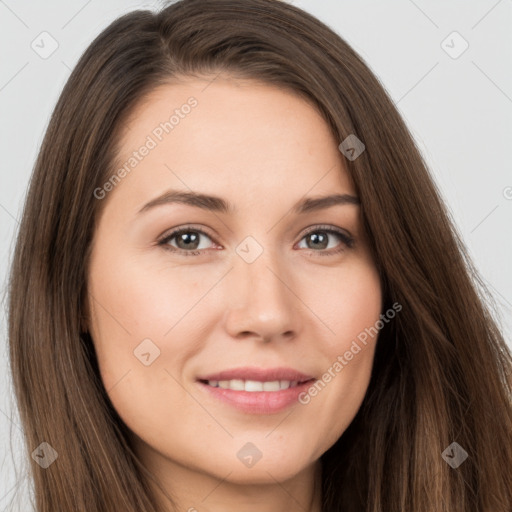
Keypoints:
pixel 442 372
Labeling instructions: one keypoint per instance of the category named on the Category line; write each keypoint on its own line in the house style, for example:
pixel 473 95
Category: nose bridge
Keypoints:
pixel 261 302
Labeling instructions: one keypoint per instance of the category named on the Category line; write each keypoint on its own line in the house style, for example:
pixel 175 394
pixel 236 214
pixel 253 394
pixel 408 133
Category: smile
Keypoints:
pixel 252 386
pixel 255 397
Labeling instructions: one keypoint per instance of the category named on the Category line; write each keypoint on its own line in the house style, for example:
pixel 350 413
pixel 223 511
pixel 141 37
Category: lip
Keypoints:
pixel 259 374
pixel 257 402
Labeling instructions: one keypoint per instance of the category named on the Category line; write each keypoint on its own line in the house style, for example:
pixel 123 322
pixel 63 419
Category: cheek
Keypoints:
pixel 140 298
pixel 348 301
pixel 137 318
pixel 351 309
pixel 137 298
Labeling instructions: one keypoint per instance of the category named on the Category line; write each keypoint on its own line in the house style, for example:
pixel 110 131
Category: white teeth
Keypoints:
pixel 271 386
pixel 236 384
pixel 253 385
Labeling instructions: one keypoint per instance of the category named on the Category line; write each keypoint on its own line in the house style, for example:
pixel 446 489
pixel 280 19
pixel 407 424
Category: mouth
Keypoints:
pixel 254 386
pixel 255 390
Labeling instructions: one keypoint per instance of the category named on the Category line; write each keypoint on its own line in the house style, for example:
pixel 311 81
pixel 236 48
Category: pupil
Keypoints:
pixel 188 239
pixel 316 237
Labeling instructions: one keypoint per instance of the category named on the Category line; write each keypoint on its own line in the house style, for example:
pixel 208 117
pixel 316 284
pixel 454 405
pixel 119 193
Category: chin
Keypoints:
pixel 272 466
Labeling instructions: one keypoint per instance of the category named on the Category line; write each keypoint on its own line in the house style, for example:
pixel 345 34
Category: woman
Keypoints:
pixel 257 370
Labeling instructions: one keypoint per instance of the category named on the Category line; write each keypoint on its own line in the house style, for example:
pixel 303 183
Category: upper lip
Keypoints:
pixel 259 374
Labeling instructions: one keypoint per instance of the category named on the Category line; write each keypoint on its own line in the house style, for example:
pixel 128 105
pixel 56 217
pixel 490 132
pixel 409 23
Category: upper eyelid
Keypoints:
pixel 176 231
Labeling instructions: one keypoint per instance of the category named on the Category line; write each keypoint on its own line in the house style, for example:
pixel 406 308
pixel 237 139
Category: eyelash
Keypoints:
pixel 347 240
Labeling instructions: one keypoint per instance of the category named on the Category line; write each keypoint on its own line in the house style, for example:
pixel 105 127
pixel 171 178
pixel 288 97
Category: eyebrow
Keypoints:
pixel 217 204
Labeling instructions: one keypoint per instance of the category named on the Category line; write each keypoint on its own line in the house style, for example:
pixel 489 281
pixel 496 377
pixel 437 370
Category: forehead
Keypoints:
pixel 206 133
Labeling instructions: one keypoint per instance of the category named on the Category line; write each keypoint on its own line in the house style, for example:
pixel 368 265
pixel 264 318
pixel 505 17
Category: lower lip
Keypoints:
pixel 258 402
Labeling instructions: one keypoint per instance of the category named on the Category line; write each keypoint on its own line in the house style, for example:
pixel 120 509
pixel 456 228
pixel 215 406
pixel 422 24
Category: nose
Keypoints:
pixel 261 302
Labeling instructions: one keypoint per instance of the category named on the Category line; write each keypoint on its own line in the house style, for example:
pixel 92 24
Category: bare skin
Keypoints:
pixel 299 304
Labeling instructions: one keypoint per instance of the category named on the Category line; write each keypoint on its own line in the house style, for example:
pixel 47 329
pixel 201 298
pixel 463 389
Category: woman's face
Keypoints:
pixel 274 286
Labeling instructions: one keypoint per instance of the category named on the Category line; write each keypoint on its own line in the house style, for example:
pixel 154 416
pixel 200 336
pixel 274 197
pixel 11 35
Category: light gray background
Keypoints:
pixel 458 109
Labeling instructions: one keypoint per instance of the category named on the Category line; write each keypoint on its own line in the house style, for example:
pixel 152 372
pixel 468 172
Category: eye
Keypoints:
pixel 319 236
pixel 188 241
